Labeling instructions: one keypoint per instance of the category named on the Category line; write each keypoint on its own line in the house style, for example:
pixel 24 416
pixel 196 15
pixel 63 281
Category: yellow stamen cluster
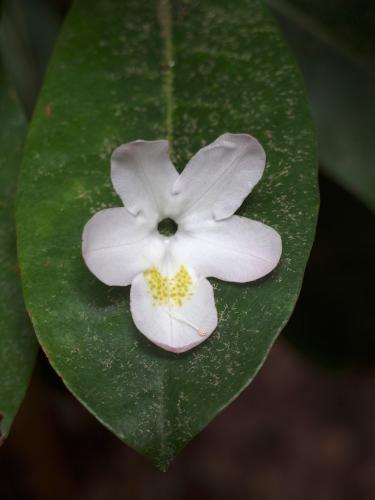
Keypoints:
pixel 169 291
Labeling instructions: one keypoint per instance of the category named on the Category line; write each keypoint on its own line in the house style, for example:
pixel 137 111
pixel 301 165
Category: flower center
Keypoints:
pixel 167 227
pixel 165 290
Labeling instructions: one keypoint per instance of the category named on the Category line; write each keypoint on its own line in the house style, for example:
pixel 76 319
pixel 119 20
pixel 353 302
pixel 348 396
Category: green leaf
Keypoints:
pixel 334 43
pixel 17 342
pixel 188 71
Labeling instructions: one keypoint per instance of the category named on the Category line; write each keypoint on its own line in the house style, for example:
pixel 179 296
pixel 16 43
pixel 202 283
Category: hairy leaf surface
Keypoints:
pixel 188 71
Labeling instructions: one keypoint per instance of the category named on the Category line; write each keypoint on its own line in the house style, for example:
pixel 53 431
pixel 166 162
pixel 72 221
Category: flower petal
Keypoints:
pixel 172 326
pixel 219 177
pixel 116 246
pixel 143 176
pixel 236 249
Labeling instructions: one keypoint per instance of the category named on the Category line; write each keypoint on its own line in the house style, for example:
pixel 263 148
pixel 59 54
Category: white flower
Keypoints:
pixel 171 301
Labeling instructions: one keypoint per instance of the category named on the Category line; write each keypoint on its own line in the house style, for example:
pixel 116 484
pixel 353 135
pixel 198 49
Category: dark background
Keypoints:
pixel 304 429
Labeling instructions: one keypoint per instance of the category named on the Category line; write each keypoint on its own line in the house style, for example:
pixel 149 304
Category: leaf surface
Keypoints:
pixel 188 71
pixel 17 342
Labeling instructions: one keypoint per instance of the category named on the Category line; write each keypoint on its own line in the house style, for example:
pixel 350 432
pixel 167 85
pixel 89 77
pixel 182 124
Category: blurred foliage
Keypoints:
pixel 17 343
pixel 333 322
pixel 335 46
pixel 348 23
pixel 28 29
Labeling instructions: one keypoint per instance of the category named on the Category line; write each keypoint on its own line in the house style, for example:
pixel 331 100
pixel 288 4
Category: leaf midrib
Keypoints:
pixel 165 18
